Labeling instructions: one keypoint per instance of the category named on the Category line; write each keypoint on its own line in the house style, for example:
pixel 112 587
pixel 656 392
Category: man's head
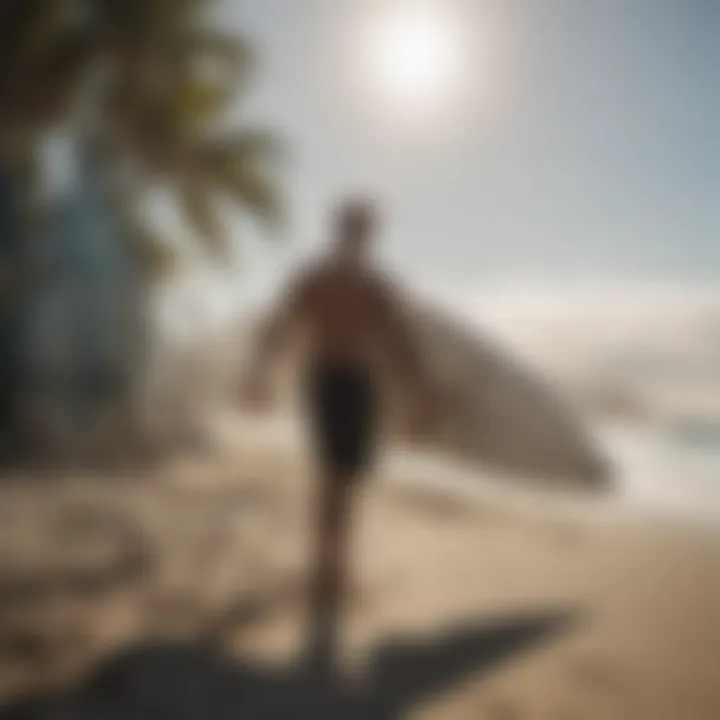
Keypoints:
pixel 355 221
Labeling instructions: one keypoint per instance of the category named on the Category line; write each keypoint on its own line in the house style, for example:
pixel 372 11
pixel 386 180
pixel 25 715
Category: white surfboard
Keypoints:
pixel 499 413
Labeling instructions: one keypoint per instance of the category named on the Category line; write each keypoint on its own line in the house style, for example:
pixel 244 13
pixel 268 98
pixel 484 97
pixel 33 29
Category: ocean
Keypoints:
pixel 652 345
pixel 675 471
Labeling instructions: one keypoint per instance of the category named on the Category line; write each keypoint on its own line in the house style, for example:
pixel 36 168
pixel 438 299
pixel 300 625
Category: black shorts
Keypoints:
pixel 341 404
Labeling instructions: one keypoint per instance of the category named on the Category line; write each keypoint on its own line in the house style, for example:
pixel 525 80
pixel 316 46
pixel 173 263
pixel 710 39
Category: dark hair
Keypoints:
pixel 356 215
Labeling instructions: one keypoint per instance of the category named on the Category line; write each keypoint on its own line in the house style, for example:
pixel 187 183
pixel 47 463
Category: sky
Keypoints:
pixel 591 142
pixel 585 143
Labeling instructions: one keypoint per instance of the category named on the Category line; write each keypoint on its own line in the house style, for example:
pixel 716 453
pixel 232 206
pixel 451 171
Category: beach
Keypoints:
pixel 214 548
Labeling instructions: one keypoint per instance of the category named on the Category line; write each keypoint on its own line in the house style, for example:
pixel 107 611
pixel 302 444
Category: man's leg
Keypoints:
pixel 330 574
pixel 344 412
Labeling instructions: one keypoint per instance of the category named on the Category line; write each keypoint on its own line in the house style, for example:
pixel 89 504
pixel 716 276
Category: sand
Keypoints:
pixel 215 549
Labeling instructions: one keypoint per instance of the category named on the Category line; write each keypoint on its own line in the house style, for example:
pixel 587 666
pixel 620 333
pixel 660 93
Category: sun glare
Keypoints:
pixel 415 55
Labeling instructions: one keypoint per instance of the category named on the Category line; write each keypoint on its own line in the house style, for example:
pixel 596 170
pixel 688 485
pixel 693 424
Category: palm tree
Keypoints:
pixel 148 82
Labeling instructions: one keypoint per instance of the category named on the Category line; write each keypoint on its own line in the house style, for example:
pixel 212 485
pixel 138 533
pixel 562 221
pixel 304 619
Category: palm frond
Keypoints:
pixel 256 192
pixel 225 60
pixel 240 165
pixel 231 50
pixel 153 254
pixel 173 78
pixel 40 58
pixel 198 103
pixel 198 204
pixel 245 145
pixel 56 82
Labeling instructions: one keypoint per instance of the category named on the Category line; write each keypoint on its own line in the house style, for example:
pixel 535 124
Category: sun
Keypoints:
pixel 414 54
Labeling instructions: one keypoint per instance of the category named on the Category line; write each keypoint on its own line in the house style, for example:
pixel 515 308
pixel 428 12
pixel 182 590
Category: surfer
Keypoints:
pixel 349 310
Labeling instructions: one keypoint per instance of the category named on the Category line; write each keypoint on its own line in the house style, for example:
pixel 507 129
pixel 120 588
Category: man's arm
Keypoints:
pixel 276 331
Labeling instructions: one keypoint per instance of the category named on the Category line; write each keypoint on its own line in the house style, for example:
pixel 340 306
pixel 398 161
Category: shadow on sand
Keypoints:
pixel 183 681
